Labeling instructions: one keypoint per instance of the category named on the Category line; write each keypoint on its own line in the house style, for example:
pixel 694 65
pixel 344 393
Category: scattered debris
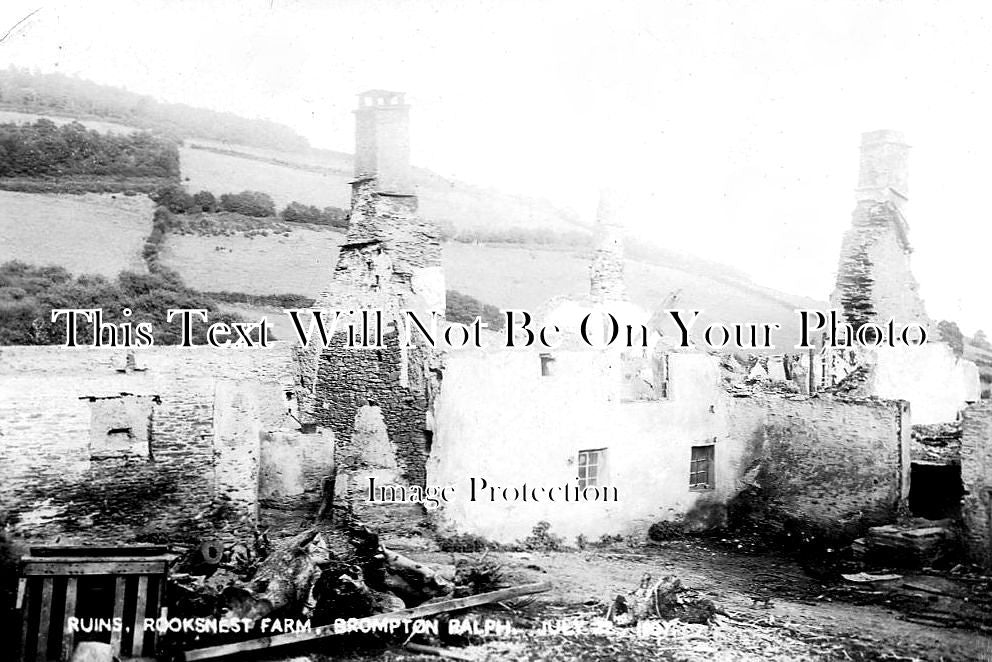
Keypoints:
pixel 865 577
pixel 663 599
pixel 326 631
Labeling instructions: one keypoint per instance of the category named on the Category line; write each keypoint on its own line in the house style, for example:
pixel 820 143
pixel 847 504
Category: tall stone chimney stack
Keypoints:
pixel 606 279
pixel 382 141
pixel 884 172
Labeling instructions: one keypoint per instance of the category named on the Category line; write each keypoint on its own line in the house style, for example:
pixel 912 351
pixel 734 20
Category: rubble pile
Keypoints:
pixel 938 443
pixel 665 599
pixel 917 542
pixel 320 574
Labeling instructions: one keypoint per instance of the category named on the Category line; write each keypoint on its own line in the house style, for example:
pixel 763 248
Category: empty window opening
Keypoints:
pixel 120 426
pixel 935 491
pixel 592 468
pixel 645 378
pixel 701 469
pixel 547 365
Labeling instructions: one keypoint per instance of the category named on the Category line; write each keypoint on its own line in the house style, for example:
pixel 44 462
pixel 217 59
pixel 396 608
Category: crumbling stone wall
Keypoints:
pixel 200 475
pixel 606 275
pixel 935 382
pixel 938 443
pixel 121 425
pixel 976 477
pixel 825 458
pixel 874 279
pixel 349 379
pixel 294 464
pixel 390 263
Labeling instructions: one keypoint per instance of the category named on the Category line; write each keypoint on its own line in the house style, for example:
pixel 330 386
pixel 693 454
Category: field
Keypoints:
pixel 321 178
pixel 300 263
pixel 505 276
pixel 204 170
pixel 91 233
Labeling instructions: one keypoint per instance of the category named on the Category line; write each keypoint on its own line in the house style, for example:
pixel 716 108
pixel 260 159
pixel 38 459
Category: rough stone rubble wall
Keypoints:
pixel 976 477
pixel 874 279
pixel 606 275
pixel 390 262
pixel 826 458
pixel 349 379
pixel 201 476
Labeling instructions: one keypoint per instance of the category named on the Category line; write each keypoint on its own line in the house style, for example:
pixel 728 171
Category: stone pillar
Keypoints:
pixel 606 282
pixel 390 262
pixel 236 454
pixel 874 278
pixel 382 141
pixel 976 477
pixel 884 171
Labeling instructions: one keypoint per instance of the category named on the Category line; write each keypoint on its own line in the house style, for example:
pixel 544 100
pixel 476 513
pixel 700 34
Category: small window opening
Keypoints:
pixel 701 474
pixel 592 467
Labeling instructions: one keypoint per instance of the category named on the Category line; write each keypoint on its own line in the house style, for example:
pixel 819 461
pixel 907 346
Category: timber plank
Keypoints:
pixel 115 635
pixel 99 551
pixel 45 619
pixel 68 636
pixel 139 616
pixel 25 607
pixel 324 631
pixel 74 567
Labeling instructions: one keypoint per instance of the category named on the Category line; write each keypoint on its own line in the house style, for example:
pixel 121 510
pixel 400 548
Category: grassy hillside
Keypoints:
pixel 301 261
pixel 208 170
pixel 321 178
pixel 502 275
pixel 70 96
pixel 89 233
pixel 277 264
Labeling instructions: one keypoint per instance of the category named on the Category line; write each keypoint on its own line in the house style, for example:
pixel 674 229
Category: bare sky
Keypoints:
pixel 730 128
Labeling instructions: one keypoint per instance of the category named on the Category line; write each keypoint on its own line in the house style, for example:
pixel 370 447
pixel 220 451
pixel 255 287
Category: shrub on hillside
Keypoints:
pixel 44 149
pixel 249 203
pixel 297 212
pixel 334 216
pixel 464 308
pixel 205 201
pixel 517 235
pixel 175 198
pixel 162 222
pixel 286 301
pixel 29 293
pixel 951 334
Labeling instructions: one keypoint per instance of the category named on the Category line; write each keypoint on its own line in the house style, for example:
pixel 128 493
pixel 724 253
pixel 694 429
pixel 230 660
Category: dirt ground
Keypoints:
pixel 773 610
pixel 769 609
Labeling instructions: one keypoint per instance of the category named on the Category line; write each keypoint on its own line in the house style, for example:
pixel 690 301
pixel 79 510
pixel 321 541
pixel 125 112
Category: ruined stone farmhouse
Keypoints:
pixel 201 442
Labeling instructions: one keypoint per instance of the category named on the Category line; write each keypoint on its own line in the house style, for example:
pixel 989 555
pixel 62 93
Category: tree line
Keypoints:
pixel 68 95
pixel 256 204
pixel 29 293
pixel 44 149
